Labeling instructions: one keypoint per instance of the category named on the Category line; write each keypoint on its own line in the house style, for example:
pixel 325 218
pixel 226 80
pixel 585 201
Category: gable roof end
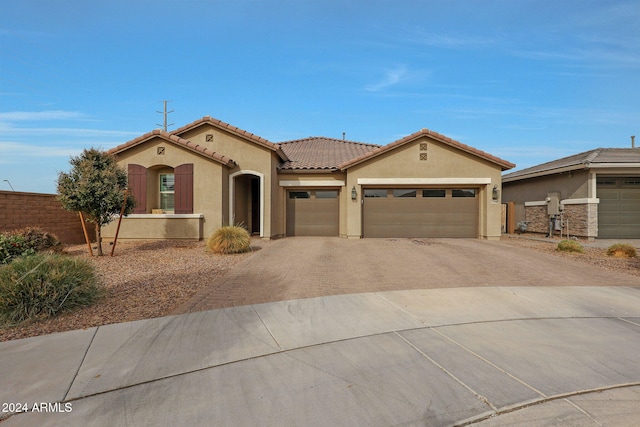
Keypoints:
pixel 176 140
pixel 504 165
pixel 233 130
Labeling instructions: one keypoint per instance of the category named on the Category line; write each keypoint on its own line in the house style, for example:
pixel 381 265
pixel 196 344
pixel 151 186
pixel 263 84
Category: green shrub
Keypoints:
pixel 570 246
pixel 232 239
pixel 26 241
pixel 622 250
pixel 12 247
pixel 39 240
pixel 44 285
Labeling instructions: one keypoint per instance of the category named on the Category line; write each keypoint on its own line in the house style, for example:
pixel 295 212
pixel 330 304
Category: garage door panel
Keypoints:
pixel 312 217
pixel 420 217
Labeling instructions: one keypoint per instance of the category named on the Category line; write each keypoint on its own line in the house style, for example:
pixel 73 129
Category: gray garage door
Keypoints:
pixel 619 207
pixel 433 212
pixel 312 213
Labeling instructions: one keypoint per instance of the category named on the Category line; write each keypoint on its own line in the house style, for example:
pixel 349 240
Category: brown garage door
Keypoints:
pixel 619 208
pixel 434 212
pixel 312 213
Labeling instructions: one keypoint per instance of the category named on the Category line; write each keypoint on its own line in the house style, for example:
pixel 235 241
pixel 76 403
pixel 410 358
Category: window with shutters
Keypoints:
pixel 167 192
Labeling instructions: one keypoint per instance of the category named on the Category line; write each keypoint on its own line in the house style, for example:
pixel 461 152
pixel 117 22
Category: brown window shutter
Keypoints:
pixel 138 186
pixel 184 189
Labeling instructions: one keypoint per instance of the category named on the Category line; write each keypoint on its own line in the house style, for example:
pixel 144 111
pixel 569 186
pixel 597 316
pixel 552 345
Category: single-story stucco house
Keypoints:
pixel 597 193
pixel 207 174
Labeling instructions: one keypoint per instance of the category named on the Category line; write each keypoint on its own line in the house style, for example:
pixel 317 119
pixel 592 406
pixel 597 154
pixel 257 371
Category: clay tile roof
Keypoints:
pixel 320 153
pixel 583 160
pixel 434 135
pixel 234 130
pixel 173 139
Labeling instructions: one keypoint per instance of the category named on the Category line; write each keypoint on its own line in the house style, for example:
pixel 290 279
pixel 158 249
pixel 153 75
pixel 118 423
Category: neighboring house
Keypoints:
pixel 598 193
pixel 206 174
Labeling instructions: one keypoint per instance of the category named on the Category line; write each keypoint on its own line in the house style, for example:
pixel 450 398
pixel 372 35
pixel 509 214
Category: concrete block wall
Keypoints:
pixel 19 210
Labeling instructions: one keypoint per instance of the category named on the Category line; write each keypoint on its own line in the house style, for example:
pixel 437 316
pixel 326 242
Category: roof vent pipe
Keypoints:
pixel 343 135
pixel 633 141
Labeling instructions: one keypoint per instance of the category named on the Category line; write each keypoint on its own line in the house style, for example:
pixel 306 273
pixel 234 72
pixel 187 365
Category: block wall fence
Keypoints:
pixel 19 209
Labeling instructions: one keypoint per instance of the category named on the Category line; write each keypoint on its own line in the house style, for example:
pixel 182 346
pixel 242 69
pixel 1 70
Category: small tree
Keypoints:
pixel 96 187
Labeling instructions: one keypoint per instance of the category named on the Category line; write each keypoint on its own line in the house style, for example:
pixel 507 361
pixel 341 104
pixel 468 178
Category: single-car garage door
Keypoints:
pixel 619 208
pixel 313 213
pixel 429 212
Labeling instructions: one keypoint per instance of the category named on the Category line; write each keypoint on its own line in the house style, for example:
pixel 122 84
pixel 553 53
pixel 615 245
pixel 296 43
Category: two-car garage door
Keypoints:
pixel 429 212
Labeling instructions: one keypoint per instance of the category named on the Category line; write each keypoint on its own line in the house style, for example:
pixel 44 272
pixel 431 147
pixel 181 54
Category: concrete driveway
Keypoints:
pixel 507 353
pixel 307 267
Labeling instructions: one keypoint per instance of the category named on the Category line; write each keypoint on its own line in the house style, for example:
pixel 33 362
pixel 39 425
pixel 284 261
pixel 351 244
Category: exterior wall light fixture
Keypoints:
pixel 354 193
pixel 495 194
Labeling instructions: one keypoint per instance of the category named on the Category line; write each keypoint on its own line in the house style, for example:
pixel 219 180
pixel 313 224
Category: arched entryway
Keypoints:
pixel 246 200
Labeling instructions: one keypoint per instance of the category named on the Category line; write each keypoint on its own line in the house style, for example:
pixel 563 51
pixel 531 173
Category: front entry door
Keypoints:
pixel 255 205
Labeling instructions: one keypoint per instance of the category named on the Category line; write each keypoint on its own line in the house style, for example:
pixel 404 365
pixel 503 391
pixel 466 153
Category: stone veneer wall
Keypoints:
pixel 19 210
pixel 537 219
pixel 582 219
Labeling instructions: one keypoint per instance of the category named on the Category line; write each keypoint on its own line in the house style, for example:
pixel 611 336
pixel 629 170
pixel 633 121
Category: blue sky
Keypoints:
pixel 528 81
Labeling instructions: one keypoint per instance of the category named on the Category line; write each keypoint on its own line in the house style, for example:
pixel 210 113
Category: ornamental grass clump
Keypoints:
pixel 570 246
pixel 232 239
pixel 622 250
pixel 40 286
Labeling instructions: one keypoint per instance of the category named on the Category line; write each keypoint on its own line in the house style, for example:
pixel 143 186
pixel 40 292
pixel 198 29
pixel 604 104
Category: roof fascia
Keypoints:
pixel 504 165
pixel 545 173
pixel 177 141
pixel 613 165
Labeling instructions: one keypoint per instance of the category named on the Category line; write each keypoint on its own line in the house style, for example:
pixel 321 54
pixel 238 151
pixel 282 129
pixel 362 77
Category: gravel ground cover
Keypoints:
pixel 149 279
pixel 143 279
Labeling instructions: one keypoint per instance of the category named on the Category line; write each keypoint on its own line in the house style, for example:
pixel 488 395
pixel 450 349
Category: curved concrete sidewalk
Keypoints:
pixel 457 356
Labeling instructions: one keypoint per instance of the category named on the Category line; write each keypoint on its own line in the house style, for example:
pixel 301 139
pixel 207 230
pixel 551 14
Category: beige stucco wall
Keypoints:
pixel 148 226
pixel 443 163
pixel 570 185
pixel 251 158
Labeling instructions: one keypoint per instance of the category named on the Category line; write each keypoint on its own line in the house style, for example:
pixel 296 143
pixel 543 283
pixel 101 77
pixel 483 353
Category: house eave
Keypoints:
pixel 581 166
pixel 614 165
pixel 538 174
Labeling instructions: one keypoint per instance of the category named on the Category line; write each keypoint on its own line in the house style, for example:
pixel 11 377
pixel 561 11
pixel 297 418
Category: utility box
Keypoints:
pixel 553 204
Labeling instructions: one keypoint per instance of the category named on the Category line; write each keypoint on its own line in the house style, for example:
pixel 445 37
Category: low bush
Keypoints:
pixel 39 240
pixel 232 239
pixel 622 250
pixel 12 247
pixel 26 241
pixel 43 285
pixel 570 246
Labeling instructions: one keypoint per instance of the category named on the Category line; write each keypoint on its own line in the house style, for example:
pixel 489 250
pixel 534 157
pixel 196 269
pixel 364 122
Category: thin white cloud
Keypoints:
pixel 450 42
pixel 9 151
pixel 84 132
pixel 24 116
pixel 445 41
pixel 391 78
